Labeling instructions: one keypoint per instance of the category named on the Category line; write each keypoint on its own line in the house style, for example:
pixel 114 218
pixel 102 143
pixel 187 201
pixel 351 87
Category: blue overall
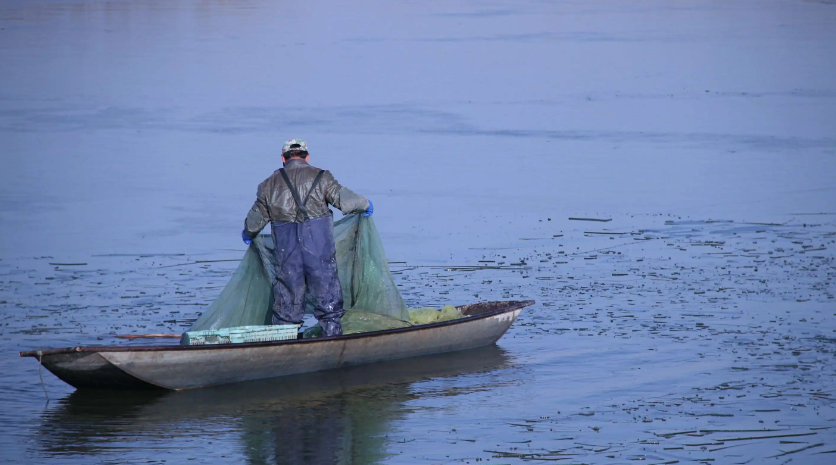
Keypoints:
pixel 306 259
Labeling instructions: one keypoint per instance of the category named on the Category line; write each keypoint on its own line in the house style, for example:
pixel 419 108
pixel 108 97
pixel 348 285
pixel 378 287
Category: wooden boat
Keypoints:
pixel 353 403
pixel 187 367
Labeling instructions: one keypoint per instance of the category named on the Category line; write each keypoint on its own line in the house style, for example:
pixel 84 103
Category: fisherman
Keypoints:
pixel 294 200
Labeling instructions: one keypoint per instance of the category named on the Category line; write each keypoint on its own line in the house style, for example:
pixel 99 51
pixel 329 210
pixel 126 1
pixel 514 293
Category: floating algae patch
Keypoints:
pixel 740 345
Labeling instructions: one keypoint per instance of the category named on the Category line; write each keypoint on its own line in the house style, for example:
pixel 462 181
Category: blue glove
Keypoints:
pixel 247 239
pixel 370 210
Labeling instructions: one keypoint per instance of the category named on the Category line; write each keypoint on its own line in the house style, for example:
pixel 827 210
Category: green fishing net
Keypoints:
pixel 371 298
pixel 424 316
pixel 358 321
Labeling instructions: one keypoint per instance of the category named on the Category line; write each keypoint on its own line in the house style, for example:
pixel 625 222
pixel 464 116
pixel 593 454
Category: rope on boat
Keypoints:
pixel 40 374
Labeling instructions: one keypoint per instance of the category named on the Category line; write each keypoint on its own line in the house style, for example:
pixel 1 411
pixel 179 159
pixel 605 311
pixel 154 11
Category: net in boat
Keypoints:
pixel 370 295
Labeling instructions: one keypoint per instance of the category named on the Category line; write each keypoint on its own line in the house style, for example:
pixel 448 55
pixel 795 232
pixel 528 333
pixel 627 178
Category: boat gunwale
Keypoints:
pixel 513 305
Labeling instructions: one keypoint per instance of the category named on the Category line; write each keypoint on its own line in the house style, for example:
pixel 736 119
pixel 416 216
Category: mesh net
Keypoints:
pixel 424 316
pixel 371 298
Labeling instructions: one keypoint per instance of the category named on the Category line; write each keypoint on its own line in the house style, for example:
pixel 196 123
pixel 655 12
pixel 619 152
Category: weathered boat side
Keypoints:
pixel 186 367
pixel 91 371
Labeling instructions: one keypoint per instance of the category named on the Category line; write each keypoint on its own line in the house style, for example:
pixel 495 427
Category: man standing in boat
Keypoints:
pixel 294 200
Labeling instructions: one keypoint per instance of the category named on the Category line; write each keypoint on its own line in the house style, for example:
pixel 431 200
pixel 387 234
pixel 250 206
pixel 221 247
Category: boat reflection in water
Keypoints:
pixel 337 416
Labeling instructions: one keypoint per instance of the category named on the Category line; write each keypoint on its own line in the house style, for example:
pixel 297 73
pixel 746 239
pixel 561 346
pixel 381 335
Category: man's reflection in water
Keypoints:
pixel 339 416
pixel 348 428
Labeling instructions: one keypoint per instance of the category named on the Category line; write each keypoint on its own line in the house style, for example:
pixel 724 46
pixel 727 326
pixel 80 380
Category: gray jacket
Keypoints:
pixel 275 203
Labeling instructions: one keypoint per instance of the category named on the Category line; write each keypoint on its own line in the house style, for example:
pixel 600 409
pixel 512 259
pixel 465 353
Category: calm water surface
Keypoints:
pixel 696 325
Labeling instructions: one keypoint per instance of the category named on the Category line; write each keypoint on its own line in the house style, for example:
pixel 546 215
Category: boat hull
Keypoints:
pixel 188 367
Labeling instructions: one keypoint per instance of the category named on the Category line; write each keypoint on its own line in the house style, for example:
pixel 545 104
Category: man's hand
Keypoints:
pixel 370 210
pixel 247 239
